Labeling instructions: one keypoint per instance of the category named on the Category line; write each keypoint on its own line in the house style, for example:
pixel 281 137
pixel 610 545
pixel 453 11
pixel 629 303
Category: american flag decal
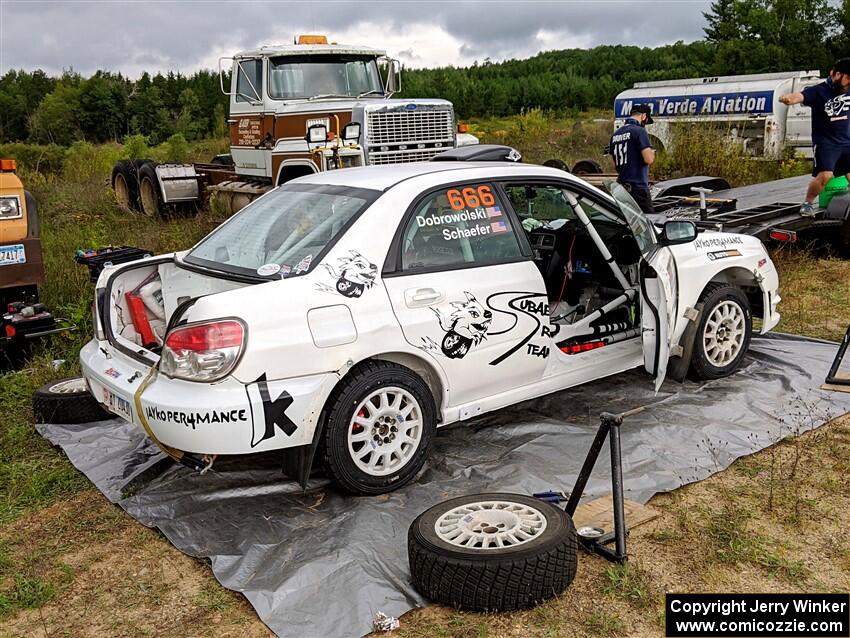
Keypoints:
pixel 499 227
pixel 493 211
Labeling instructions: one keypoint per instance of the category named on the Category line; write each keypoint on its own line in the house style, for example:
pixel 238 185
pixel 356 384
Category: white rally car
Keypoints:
pixel 353 312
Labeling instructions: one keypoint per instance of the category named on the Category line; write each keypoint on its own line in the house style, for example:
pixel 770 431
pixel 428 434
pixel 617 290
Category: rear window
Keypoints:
pixel 283 233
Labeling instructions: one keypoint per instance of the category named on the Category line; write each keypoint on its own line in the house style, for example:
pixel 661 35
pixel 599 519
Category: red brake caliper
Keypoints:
pixel 356 428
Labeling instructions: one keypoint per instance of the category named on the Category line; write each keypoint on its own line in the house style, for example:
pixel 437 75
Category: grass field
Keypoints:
pixel 71 564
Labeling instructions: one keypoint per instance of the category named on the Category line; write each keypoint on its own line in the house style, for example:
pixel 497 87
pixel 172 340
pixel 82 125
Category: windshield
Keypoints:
pixel 637 221
pixel 284 232
pixel 306 76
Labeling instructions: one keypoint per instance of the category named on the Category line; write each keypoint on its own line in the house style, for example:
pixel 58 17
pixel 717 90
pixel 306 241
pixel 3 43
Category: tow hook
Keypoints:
pixel 207 460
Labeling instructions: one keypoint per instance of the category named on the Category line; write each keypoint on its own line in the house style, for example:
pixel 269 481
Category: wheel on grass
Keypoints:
pixel 122 192
pixel 149 194
pixel 723 333
pixel 378 428
pixel 492 552
pixel 67 401
pixel 125 184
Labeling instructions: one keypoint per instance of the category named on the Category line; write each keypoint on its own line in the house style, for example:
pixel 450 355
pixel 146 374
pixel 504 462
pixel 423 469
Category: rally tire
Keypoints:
pixel 708 363
pixel 66 401
pixel 494 579
pixel 344 459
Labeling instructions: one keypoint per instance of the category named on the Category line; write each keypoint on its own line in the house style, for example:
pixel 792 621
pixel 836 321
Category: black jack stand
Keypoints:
pixel 610 424
pixel 832 376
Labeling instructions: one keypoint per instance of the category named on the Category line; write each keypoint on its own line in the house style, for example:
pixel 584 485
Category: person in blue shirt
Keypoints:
pixel 633 155
pixel 830 104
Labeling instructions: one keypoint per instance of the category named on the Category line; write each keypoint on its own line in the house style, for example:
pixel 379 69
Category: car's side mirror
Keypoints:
pixel 677 231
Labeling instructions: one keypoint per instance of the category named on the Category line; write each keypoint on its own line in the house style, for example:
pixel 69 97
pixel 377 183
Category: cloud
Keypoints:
pixel 160 35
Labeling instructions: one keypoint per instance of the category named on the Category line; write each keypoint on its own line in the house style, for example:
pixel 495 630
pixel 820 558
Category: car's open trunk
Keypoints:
pixel 144 299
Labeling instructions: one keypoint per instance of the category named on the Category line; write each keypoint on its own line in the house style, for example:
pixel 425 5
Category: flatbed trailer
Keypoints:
pixel 769 211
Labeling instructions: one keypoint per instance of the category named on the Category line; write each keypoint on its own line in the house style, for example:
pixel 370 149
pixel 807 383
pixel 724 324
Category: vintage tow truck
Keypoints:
pixel 21 270
pixel 277 95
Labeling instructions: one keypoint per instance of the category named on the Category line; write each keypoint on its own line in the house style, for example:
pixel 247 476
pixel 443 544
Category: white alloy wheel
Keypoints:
pixel 724 333
pixel 69 386
pixel 490 525
pixel 385 431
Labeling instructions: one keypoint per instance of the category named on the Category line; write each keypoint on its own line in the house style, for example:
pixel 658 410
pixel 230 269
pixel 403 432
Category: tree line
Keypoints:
pixel 741 36
pixel 35 107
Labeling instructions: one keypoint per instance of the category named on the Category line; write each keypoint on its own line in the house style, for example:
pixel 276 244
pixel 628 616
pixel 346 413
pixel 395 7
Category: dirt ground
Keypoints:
pixel 778 520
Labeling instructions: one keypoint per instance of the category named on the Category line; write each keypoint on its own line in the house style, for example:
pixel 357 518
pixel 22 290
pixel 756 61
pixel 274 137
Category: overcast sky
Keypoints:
pixel 161 35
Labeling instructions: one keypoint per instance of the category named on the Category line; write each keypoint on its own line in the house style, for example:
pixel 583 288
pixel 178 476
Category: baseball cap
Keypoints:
pixel 645 108
pixel 842 66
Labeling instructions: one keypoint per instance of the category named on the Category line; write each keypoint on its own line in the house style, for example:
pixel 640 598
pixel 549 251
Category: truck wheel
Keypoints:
pixel 125 183
pixel 556 163
pixel 66 401
pixel 378 429
pixel 587 167
pixel 492 552
pixel 723 334
pixel 149 195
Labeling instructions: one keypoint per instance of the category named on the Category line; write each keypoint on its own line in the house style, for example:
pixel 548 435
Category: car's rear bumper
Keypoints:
pixel 226 417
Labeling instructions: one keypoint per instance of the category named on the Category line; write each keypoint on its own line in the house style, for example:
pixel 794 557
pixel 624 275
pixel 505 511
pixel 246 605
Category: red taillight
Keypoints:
pixel 208 336
pixel 204 351
pixel 783 235
pixel 10 330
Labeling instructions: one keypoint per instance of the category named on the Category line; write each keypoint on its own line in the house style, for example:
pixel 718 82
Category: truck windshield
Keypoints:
pixel 283 233
pixel 306 76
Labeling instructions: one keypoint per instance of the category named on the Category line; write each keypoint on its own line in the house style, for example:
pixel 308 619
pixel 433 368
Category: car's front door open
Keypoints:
pixel 658 286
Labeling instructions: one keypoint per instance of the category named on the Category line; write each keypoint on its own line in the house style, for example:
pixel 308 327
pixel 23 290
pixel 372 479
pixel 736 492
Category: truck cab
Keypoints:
pixel 277 93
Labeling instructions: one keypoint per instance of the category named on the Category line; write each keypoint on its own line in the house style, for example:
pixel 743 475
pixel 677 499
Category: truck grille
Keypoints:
pixel 405 157
pixel 400 127
pixel 401 136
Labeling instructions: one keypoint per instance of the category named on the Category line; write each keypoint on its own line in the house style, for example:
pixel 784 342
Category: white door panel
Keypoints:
pixel 486 326
pixel 661 292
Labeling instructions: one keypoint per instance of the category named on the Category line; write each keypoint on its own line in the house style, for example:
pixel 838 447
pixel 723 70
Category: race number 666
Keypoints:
pixel 470 197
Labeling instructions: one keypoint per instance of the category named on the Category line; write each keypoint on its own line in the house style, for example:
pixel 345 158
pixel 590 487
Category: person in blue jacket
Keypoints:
pixel 633 155
pixel 830 104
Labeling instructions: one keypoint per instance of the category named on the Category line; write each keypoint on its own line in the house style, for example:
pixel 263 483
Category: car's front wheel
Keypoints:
pixel 723 334
pixel 378 429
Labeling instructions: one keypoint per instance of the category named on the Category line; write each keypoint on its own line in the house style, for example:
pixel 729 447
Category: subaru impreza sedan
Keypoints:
pixel 353 312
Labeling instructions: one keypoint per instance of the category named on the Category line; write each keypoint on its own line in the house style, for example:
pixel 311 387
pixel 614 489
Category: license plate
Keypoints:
pixel 11 255
pixel 117 405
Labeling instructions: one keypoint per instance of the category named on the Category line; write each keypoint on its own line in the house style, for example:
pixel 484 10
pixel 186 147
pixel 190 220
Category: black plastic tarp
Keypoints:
pixel 322 564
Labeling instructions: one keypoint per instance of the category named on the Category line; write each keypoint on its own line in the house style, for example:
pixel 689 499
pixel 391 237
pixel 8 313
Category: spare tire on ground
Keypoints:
pixel 492 552
pixel 67 401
